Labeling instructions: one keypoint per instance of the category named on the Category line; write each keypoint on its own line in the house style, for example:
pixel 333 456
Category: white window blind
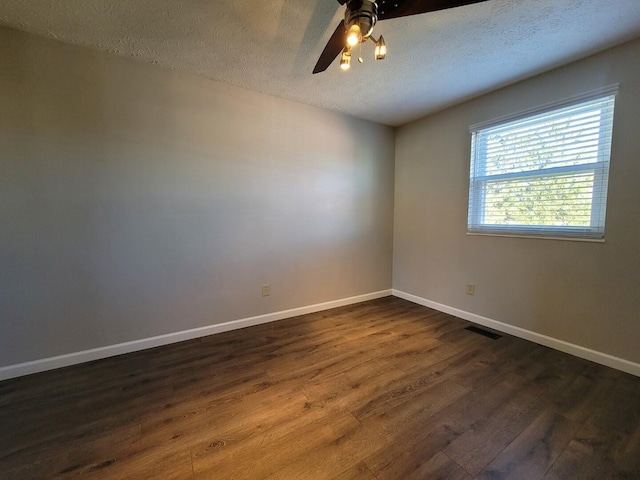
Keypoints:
pixel 545 174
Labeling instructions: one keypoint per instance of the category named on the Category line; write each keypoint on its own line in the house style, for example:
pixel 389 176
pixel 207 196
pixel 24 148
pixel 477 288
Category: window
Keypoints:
pixel 543 173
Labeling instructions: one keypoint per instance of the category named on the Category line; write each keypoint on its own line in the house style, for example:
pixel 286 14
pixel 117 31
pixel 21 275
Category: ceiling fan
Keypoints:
pixel 361 16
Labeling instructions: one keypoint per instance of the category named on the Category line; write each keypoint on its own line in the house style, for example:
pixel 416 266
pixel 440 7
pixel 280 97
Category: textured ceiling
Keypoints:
pixel 271 46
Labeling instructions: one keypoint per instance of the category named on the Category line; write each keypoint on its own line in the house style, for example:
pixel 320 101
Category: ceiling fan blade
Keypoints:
pixel 334 46
pixel 388 9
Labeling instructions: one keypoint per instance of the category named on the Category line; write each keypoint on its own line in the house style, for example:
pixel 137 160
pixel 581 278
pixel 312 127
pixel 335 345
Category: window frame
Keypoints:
pixel 477 195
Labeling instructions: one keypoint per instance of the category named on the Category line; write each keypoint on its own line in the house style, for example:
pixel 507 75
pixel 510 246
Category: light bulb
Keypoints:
pixel 381 49
pixel 345 60
pixel 354 36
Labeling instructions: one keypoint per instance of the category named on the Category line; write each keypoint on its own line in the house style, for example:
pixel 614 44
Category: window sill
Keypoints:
pixel 537 237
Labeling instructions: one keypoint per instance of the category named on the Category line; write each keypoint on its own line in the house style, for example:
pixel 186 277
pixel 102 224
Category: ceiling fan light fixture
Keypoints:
pixel 381 49
pixel 360 16
pixel 345 59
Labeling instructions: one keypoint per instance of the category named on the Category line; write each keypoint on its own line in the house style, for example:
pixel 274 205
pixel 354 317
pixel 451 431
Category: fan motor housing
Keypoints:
pixel 363 13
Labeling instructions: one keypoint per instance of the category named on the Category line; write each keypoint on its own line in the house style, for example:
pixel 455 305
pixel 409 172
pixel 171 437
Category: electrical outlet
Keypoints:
pixel 471 289
pixel 266 290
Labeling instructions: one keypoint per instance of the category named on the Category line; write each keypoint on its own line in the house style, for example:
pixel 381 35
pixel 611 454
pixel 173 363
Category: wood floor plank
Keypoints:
pixel 533 452
pixel 358 472
pixel 589 456
pixel 485 439
pixel 427 430
pixel 238 421
pixel 579 400
pixel 66 458
pixel 354 386
pixel 259 457
pixel 608 444
pixel 439 466
pixel 404 459
pixel 329 457
pixel 624 417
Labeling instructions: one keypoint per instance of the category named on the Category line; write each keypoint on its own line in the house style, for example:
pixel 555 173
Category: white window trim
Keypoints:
pixel 515 231
pixel 567 102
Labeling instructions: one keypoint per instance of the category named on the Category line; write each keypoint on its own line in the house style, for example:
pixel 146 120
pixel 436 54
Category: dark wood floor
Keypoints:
pixel 380 390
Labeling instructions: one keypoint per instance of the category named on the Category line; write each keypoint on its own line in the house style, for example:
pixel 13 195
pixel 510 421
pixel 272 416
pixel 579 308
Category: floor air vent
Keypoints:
pixel 486 333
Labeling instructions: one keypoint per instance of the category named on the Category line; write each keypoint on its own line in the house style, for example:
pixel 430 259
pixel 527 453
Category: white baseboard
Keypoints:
pixel 51 363
pixel 582 352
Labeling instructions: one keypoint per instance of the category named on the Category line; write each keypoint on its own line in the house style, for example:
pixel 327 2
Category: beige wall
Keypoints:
pixel 137 201
pixel 587 294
